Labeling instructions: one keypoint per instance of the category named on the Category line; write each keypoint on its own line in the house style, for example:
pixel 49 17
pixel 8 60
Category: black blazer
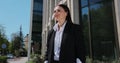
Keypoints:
pixel 72 45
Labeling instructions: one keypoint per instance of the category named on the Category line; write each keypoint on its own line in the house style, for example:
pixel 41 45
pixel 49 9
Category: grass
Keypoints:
pixel 30 61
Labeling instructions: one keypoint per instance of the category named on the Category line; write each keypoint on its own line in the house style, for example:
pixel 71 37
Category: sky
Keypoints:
pixel 13 14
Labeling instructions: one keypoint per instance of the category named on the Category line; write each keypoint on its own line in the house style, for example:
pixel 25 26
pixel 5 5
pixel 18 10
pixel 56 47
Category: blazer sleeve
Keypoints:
pixel 79 44
pixel 47 45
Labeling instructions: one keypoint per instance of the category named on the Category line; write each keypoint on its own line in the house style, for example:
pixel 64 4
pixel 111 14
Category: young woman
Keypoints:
pixel 65 43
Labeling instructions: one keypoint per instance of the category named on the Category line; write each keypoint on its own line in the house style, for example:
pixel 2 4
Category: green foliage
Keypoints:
pixel 10 47
pixel 3 59
pixel 30 61
pixel 35 58
pixel 17 53
pixel 3 39
pixel 16 44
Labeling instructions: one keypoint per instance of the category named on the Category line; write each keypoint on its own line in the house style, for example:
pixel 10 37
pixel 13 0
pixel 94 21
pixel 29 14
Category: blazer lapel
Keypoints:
pixel 52 45
pixel 65 34
pixel 52 40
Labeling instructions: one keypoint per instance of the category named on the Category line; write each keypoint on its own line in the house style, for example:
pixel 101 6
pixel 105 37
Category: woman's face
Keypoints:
pixel 59 13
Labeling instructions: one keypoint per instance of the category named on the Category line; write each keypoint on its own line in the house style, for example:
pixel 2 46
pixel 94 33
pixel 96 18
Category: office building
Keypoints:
pixel 35 26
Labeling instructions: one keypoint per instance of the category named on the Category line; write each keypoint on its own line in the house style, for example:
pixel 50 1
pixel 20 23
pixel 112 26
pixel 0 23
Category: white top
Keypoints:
pixel 57 40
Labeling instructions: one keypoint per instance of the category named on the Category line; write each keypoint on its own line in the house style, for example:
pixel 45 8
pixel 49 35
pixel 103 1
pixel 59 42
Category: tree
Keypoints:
pixel 17 42
pixel 11 48
pixel 17 39
pixel 21 37
pixel 3 40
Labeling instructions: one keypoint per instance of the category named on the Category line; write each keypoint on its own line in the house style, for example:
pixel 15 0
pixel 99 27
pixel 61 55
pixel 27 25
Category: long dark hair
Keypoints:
pixel 66 9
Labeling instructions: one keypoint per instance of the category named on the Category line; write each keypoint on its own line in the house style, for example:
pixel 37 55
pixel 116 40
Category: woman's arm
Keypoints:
pixel 79 43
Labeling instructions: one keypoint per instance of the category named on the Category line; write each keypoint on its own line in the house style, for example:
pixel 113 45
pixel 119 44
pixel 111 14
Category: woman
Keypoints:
pixel 64 43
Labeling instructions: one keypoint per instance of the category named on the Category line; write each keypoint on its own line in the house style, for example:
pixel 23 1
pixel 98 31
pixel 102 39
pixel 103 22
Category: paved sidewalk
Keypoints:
pixel 18 60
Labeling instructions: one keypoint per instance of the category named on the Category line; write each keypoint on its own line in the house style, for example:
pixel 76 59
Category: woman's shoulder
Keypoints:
pixel 50 31
pixel 76 26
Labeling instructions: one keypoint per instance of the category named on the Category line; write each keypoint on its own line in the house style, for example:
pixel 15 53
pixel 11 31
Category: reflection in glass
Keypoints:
pixel 94 1
pixel 84 3
pixel 85 28
pixel 37 6
pixel 37 22
pixel 102 28
pixel 95 7
pixel 98 29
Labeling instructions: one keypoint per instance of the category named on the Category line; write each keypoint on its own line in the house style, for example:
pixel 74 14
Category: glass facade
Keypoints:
pixel 37 25
pixel 97 18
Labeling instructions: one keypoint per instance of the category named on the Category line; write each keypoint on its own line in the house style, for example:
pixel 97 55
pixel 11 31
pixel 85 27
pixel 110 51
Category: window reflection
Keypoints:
pixel 95 7
pixel 37 6
pixel 37 17
pixel 102 28
pixel 84 2
pixel 94 1
pixel 86 28
pixel 85 11
pixel 38 1
pixel 37 20
pixel 98 30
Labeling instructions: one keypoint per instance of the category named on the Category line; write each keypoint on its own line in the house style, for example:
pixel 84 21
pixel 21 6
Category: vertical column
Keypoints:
pixel 44 14
pixel 69 4
pixel 56 2
pixel 30 31
pixel 117 13
pixel 44 24
pixel 47 12
pixel 47 18
pixel 43 44
pixel 52 5
pixel 75 11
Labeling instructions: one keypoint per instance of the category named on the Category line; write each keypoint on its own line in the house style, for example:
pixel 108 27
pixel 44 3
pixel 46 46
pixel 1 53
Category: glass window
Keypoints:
pixel 41 1
pixel 94 1
pixel 38 6
pixel 38 12
pixel 85 11
pixel 36 36
pixel 86 28
pixel 36 27
pixel 95 7
pixel 84 3
pixel 102 29
pixel 37 17
pixel 98 29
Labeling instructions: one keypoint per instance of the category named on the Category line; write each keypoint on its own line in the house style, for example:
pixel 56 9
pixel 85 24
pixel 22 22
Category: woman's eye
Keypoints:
pixel 57 11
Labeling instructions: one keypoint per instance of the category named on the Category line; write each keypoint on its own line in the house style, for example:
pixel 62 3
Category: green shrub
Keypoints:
pixel 3 59
pixel 35 58
pixel 30 61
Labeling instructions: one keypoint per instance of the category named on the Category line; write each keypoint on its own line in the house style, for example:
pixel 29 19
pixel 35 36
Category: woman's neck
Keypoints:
pixel 60 23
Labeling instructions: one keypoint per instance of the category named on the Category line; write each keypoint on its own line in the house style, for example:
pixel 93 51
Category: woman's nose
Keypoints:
pixel 55 14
